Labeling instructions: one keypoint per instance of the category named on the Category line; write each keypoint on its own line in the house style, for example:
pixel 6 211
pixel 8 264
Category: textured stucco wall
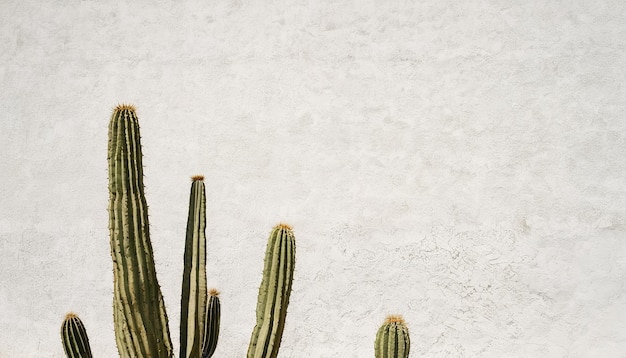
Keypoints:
pixel 459 163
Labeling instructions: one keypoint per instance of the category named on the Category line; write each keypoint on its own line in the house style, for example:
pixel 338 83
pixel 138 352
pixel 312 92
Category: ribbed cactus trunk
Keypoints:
pixel 274 293
pixel 74 337
pixel 211 324
pixel 141 327
pixel 392 339
pixel 194 291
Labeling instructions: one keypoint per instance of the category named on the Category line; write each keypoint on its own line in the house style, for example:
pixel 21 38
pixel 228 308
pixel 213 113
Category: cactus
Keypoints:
pixel 211 324
pixel 392 339
pixel 74 337
pixel 141 326
pixel 194 291
pixel 140 319
pixel 273 293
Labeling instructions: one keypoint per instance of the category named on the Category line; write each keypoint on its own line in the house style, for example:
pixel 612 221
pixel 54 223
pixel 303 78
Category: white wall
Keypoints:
pixel 459 163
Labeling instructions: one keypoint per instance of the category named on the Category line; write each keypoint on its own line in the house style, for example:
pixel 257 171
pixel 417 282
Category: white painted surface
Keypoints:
pixel 459 163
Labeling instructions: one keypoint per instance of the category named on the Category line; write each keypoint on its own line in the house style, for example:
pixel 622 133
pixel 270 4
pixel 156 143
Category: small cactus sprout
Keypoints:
pixel 392 339
pixel 211 324
pixel 74 337
pixel 274 292
pixel 194 290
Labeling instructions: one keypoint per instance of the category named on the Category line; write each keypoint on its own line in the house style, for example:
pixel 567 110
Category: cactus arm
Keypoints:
pixel 270 301
pixel 140 320
pixel 258 345
pixel 274 293
pixel 211 325
pixel 74 337
pixel 282 299
pixel 194 290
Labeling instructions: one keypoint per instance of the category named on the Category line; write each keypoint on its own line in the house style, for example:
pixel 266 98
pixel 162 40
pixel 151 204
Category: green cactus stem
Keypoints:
pixel 194 291
pixel 274 293
pixel 211 325
pixel 392 339
pixel 140 320
pixel 74 337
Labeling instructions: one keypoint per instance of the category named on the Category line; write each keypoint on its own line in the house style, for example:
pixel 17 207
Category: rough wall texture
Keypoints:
pixel 459 163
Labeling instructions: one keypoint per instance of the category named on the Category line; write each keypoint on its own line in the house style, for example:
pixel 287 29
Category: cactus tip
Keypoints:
pixel 71 315
pixel 124 106
pixel 197 177
pixel 284 226
pixel 394 319
pixel 214 292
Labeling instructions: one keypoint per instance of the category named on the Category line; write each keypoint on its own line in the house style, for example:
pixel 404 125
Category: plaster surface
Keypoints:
pixel 458 163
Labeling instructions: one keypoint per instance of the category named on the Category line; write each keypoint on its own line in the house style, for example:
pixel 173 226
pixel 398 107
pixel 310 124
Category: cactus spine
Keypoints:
pixel 274 293
pixel 194 291
pixel 74 337
pixel 392 339
pixel 211 324
pixel 141 326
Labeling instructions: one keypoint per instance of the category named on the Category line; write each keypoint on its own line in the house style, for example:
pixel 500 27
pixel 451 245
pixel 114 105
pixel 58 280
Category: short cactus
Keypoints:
pixel 274 293
pixel 74 337
pixel 211 324
pixel 392 339
pixel 140 320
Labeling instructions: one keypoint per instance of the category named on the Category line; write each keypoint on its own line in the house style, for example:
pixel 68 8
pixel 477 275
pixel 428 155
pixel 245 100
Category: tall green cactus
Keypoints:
pixel 141 326
pixel 211 324
pixel 74 337
pixel 274 293
pixel 194 291
pixel 392 339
